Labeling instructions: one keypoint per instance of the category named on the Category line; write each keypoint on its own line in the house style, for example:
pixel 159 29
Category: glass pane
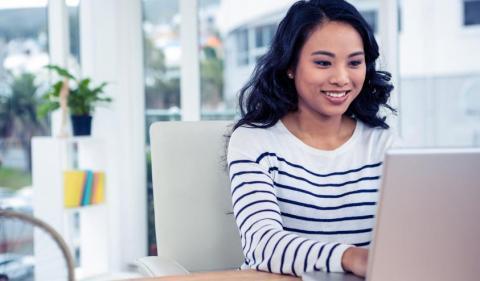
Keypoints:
pixel 73 7
pixel 161 35
pixel 23 53
pixel 213 104
pixel 371 16
pixel 233 35
pixel 162 59
pixel 471 11
pixel 440 77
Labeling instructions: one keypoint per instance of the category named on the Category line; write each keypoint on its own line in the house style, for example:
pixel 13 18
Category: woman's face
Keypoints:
pixel 330 71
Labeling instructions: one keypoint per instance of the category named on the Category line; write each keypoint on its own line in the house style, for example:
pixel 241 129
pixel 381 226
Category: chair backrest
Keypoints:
pixel 193 212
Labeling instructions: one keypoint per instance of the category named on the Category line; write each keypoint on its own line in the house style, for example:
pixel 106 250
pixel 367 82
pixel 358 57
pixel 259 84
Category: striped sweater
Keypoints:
pixel 299 208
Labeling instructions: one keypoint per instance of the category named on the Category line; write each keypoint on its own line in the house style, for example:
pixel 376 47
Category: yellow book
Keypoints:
pixel 98 195
pixel 73 184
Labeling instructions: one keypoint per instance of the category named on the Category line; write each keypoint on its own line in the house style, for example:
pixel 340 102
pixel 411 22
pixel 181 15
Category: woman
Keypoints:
pixel 305 158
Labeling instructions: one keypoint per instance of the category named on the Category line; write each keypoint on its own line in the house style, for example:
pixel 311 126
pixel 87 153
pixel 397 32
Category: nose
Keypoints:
pixel 339 77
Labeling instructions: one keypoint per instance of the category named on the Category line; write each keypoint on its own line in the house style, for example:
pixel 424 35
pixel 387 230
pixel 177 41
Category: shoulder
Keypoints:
pixel 250 142
pixel 247 136
pixel 377 137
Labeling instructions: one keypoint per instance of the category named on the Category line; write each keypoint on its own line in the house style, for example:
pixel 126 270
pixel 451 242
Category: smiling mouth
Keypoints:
pixel 336 94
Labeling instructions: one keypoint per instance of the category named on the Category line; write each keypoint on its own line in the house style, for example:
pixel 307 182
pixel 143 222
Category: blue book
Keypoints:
pixel 87 194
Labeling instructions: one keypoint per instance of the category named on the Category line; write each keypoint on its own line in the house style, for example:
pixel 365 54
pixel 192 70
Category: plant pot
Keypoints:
pixel 81 125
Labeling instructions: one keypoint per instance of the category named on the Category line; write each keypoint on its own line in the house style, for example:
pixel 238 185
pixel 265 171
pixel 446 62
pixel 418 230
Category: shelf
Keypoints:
pixel 84 228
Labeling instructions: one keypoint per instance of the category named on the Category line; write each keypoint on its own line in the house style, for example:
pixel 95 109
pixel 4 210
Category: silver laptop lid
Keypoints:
pixel 428 224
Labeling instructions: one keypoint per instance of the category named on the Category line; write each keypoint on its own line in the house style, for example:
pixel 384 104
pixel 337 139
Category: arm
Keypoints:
pixel 266 245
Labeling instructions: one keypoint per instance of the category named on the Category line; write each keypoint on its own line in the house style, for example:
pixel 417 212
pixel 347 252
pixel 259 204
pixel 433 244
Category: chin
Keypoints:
pixel 334 112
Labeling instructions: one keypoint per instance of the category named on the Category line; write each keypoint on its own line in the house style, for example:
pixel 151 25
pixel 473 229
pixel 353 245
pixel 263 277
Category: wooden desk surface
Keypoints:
pixel 234 275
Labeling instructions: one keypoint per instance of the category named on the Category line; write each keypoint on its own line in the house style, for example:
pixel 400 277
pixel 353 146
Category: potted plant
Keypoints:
pixel 78 95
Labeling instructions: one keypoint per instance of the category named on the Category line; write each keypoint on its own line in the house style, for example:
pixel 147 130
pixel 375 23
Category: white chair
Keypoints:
pixel 194 225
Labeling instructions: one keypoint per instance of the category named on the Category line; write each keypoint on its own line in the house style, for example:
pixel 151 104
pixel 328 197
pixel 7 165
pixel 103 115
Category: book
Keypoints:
pixel 83 187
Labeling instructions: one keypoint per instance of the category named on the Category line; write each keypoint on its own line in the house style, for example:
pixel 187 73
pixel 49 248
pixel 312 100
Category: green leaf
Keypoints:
pixel 60 71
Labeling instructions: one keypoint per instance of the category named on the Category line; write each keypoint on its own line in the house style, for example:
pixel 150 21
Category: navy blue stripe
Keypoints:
pixel 240 161
pixel 322 195
pixel 250 182
pixel 313 173
pixel 254 203
pixel 363 244
pixel 338 232
pixel 327 220
pixel 252 214
pixel 326 208
pixel 284 253
pixel 269 264
pixel 248 172
pixel 261 237
pixel 250 228
pixel 251 238
pixel 330 255
pixel 250 193
pixel 318 257
pixel 306 257
pixel 295 257
pixel 265 247
pixel 329 184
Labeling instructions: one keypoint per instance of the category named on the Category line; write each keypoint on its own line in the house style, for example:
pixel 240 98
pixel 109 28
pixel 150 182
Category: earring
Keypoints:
pixel 290 75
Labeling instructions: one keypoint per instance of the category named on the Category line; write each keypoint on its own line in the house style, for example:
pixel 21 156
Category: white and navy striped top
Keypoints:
pixel 299 208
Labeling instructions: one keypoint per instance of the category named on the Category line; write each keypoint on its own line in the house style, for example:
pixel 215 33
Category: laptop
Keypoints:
pixel 428 219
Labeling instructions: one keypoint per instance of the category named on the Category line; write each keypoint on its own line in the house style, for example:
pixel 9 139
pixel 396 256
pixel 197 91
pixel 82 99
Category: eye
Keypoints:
pixel 356 63
pixel 322 63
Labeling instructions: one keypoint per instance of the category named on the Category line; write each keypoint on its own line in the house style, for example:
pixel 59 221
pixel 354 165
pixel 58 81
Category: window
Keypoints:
pixel 241 37
pixel 23 53
pixel 214 104
pixel 162 59
pixel 471 12
pixel 73 7
pixel 230 42
pixel 264 35
pixel 162 54
pixel 371 16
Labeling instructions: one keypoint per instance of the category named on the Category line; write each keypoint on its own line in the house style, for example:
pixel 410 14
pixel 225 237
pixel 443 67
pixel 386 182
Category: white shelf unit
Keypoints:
pixel 85 229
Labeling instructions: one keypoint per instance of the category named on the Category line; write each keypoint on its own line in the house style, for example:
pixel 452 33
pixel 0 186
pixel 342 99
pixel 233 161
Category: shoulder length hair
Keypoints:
pixel 269 94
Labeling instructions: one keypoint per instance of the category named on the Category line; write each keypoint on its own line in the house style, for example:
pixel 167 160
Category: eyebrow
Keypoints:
pixel 326 53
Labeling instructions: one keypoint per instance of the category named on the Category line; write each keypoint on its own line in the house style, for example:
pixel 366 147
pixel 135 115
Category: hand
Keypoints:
pixel 355 260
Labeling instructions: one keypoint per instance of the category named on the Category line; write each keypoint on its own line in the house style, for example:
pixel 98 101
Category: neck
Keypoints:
pixel 320 132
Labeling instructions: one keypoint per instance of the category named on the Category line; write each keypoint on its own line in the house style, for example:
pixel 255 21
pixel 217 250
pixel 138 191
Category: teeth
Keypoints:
pixel 336 94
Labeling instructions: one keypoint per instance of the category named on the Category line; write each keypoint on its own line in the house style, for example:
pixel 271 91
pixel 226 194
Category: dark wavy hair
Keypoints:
pixel 269 94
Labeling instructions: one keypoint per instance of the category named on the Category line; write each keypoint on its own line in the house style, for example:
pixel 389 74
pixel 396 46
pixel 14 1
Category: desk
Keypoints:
pixel 233 275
